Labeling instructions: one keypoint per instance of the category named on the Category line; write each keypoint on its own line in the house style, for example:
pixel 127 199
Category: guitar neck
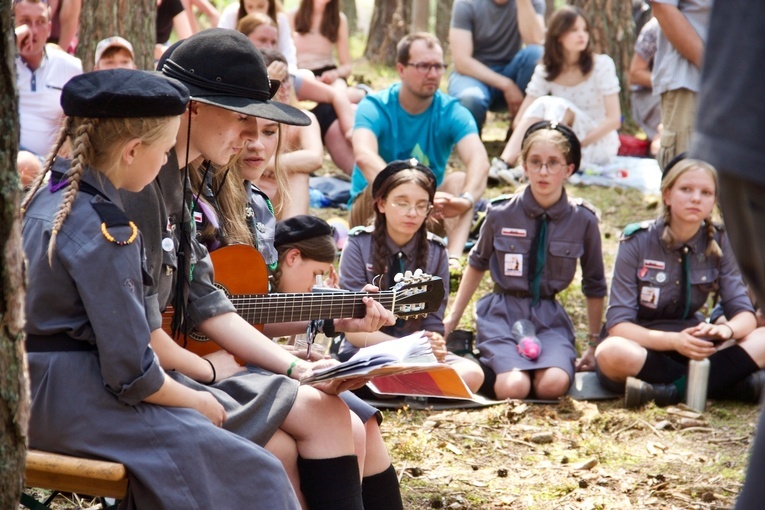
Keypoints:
pixel 273 308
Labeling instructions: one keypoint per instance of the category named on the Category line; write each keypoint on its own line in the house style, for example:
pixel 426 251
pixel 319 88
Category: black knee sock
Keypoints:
pixel 660 368
pixel 727 367
pixel 489 379
pixel 381 491
pixel 331 484
pixel 608 383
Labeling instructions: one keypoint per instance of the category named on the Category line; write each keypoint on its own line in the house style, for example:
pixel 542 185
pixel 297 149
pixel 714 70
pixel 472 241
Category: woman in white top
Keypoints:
pixel 572 86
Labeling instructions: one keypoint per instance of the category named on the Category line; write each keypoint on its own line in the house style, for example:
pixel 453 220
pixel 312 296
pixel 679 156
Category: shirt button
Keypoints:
pixel 568 252
pixel 703 278
pixel 677 282
pixel 512 247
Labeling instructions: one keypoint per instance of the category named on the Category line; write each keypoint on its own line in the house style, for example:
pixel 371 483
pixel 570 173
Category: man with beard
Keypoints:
pixel 413 119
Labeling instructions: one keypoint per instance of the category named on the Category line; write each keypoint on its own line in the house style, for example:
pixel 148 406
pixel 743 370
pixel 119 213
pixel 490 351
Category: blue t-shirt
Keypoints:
pixel 428 136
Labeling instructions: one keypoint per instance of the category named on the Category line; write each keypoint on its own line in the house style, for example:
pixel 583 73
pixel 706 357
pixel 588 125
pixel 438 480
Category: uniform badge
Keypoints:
pixel 197 216
pixel 370 268
pixel 514 232
pixel 260 227
pixel 642 272
pixel 661 277
pixel 649 297
pixel 654 264
pixel 167 244
pixel 248 212
pixel 513 264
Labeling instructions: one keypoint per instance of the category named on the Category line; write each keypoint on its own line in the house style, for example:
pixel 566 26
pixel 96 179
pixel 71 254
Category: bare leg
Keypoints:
pixel 513 384
pixel 619 358
pixel 339 148
pixel 551 383
pixel 284 448
pixel 457 229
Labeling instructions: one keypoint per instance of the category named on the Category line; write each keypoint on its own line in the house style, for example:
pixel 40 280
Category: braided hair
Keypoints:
pixel 674 170
pixel 95 143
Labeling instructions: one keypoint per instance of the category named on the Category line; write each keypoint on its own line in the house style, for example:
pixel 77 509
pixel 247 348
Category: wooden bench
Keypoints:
pixel 63 473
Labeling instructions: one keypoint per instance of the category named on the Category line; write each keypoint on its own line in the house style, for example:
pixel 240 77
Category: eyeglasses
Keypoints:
pixel 421 208
pixel 426 67
pixel 553 166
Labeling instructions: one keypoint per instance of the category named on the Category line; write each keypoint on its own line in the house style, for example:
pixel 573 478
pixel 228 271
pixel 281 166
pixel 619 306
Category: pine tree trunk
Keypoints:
pixel 390 22
pixel 443 19
pixel 349 9
pixel 612 33
pixel 420 16
pixel 14 386
pixel 132 19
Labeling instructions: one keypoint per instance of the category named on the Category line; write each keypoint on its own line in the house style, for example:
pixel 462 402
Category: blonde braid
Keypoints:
pixel 667 236
pixel 39 178
pixel 713 248
pixel 82 152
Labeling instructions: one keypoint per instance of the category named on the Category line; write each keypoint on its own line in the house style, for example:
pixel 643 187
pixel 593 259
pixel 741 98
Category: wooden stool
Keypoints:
pixel 63 473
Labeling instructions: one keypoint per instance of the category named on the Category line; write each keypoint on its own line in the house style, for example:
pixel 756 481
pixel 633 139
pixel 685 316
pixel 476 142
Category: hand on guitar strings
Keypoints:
pixel 376 317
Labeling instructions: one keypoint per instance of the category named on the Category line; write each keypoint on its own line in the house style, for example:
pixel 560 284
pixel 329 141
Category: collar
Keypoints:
pixel 534 210
pixel 696 244
pixel 94 178
pixel 409 249
pixel 43 61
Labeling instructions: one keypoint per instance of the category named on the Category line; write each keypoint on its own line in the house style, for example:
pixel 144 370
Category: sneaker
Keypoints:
pixel 497 165
pixel 638 393
pixel 512 176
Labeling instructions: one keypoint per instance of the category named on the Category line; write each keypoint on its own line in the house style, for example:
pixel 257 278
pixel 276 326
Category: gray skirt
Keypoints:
pixel 496 314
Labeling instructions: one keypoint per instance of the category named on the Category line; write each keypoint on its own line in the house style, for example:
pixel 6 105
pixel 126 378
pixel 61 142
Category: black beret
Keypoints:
pixel 300 228
pixel 568 134
pixel 672 162
pixel 395 167
pixel 123 93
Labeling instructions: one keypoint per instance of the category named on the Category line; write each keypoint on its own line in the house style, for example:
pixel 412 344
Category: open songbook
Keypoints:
pixel 405 366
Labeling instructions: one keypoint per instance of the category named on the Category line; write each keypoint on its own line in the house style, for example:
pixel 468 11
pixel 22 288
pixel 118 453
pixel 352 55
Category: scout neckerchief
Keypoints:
pixel 685 250
pixel 538 258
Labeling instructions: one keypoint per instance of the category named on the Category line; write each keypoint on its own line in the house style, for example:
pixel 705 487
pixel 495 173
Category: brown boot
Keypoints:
pixel 638 393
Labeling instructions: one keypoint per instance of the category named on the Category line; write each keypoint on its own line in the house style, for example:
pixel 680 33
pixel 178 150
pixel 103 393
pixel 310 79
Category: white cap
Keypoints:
pixel 111 42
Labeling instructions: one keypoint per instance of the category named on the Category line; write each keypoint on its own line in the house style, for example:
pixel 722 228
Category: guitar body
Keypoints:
pixel 239 269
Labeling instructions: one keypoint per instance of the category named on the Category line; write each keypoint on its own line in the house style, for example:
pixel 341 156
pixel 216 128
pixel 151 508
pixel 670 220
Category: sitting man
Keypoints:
pixel 40 75
pixel 491 70
pixel 413 119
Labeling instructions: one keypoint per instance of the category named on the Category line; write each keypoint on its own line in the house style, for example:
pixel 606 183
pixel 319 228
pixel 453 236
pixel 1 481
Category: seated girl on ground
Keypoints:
pixel 398 241
pixel 530 242
pixel 664 272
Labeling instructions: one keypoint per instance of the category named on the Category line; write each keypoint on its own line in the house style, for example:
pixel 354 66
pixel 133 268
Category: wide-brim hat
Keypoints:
pixel 222 67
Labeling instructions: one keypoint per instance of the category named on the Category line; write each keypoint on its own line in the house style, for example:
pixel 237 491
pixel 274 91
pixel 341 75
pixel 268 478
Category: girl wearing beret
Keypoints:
pixel 398 241
pixel 664 273
pixel 531 242
pixel 230 94
pixel 87 331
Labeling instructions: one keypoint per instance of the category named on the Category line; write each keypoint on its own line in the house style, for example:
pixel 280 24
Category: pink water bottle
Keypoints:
pixel 525 335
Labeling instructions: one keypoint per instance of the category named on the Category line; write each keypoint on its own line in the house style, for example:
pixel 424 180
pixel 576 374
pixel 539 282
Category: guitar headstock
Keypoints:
pixel 416 294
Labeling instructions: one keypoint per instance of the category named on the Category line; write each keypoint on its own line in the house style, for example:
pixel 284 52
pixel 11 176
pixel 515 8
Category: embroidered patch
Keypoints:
pixel 369 267
pixel 653 264
pixel 661 277
pixel 197 216
pixel 642 272
pixel 514 232
pixel 513 264
pixel 649 297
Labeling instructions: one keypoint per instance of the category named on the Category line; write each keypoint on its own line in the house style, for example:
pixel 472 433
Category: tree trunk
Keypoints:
pixel 349 9
pixel 132 19
pixel 14 386
pixel 390 22
pixel 612 33
pixel 443 19
pixel 420 16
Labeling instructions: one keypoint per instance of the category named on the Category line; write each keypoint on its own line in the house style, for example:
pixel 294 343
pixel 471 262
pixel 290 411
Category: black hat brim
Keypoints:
pixel 271 110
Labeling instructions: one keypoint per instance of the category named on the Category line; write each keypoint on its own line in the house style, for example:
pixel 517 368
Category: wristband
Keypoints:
pixel 469 197
pixel 292 365
pixel 592 343
pixel 213 370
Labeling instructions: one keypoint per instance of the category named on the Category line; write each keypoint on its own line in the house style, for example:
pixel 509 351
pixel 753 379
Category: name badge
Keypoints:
pixel 513 264
pixel 514 232
pixel 653 264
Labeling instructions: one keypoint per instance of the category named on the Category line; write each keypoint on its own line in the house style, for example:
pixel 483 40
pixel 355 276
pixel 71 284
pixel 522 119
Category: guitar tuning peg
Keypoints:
pixel 418 273
pixel 398 277
pixel 408 274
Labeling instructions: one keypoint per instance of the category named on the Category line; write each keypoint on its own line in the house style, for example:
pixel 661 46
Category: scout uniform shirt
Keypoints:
pixel 649 283
pixel 506 247
pixel 356 271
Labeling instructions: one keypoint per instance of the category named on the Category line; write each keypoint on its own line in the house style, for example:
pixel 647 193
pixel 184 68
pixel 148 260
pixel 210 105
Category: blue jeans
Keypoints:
pixel 478 97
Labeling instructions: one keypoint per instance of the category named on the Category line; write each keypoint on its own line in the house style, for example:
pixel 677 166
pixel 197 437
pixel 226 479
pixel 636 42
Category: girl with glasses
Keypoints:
pixel 531 242
pixel 574 86
pixel 399 240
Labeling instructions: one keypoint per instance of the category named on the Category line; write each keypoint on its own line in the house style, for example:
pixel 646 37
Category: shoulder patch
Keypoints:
pixel 581 202
pixel 633 228
pixel 361 229
pixel 501 198
pixel 112 216
pixel 436 239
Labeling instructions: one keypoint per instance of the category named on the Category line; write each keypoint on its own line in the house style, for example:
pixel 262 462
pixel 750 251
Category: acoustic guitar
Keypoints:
pixel 241 273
